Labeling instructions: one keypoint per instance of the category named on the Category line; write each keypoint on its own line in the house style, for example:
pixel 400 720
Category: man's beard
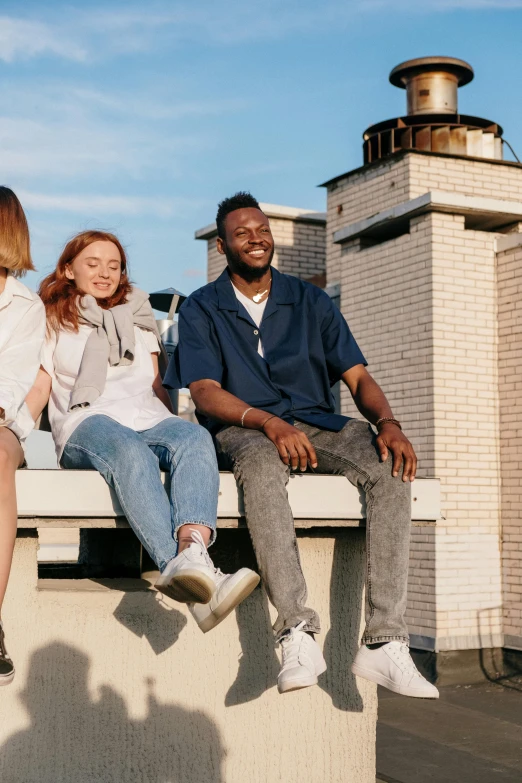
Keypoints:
pixel 245 271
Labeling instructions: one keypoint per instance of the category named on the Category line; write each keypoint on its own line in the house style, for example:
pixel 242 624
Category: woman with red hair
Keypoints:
pixel 22 329
pixel 109 412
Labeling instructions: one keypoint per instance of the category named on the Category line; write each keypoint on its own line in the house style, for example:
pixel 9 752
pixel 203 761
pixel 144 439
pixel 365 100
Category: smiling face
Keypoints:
pixel 97 269
pixel 248 244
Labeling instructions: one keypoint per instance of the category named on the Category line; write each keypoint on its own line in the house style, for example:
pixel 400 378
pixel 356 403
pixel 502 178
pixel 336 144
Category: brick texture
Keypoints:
pixel 424 310
pixel 510 393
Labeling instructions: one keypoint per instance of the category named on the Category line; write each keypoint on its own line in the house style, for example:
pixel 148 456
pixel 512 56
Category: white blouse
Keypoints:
pixel 22 331
pixel 128 397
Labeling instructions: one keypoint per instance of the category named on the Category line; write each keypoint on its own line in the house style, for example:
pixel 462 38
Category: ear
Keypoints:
pixel 220 246
pixel 69 274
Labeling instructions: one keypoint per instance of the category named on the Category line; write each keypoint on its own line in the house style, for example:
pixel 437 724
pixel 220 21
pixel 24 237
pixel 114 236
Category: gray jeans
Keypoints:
pixel 352 453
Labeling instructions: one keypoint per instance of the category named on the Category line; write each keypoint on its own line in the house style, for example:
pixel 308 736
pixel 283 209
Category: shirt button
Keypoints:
pixel 255 331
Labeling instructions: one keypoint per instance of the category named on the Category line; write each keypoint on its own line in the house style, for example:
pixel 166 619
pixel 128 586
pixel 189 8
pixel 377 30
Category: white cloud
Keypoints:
pixel 21 39
pixel 62 132
pixel 105 31
pixel 111 205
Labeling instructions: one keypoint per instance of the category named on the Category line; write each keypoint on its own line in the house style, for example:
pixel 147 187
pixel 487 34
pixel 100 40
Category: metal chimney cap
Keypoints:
pixel 401 73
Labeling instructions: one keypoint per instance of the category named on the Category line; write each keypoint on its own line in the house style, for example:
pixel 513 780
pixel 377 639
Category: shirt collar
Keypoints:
pixel 14 287
pixel 281 291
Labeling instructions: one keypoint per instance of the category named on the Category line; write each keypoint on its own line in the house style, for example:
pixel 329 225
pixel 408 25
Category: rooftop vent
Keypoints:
pixel 433 123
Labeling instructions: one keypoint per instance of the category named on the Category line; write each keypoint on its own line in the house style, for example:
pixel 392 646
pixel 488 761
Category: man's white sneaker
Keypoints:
pixel 190 576
pixel 230 590
pixel 303 660
pixel 392 667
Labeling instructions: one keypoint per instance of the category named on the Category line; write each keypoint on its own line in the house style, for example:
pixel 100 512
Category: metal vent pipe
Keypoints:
pixel 431 83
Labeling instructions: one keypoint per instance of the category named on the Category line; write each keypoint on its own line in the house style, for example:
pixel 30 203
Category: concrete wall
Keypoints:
pixel 510 392
pixel 299 249
pixel 116 686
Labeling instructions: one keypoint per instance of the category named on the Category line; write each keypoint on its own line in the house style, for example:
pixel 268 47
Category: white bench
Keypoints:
pixel 81 498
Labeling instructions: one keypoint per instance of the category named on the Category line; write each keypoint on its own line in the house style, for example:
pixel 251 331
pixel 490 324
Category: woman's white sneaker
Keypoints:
pixel 392 667
pixel 302 662
pixel 190 576
pixel 230 590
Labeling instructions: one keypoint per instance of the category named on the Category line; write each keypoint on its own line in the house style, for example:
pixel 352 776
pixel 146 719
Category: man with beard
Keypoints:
pixel 260 351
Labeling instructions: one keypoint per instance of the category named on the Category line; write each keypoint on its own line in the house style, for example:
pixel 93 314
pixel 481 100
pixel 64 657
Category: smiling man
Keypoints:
pixel 260 351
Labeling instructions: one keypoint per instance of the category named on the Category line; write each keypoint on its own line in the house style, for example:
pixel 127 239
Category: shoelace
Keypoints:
pixel 197 538
pixel 405 660
pixel 291 648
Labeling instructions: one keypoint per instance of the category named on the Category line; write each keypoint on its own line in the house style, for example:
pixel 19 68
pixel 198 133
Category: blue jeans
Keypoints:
pixel 130 462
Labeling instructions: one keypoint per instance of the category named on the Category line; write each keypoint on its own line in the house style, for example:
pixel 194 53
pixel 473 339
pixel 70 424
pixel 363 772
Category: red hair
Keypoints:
pixel 60 295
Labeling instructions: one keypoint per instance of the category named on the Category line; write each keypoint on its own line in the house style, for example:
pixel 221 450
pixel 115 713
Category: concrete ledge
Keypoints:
pixel 487 213
pixel 508 242
pixel 513 642
pixel 65 495
pixel 459 643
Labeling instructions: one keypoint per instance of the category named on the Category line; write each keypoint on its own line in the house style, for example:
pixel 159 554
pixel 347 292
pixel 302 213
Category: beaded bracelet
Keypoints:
pixel 388 420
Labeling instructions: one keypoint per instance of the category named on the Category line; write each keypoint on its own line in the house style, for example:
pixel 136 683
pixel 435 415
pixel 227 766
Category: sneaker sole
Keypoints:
pixel 188 587
pixel 241 591
pixel 380 679
pixel 7 679
pixel 304 682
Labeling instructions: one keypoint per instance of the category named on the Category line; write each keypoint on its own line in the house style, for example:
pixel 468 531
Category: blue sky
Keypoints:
pixel 139 118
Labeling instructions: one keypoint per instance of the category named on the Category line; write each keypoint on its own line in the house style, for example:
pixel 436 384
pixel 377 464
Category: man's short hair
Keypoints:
pixel 240 200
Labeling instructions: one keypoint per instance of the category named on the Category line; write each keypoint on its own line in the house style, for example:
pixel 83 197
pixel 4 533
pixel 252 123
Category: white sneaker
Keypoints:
pixel 230 590
pixel 190 576
pixel 303 660
pixel 392 667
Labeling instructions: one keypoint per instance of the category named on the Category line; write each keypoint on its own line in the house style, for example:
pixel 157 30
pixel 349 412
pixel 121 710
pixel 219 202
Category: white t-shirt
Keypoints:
pixel 255 311
pixel 128 397
pixel 22 330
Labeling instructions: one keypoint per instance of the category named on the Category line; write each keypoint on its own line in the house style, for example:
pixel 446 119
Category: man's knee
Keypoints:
pixel 259 458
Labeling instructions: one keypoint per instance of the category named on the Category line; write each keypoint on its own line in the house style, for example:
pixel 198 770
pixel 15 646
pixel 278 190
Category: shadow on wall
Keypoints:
pixel 153 617
pixel 74 739
pixel 259 665
pixel 156 619
pixel 342 640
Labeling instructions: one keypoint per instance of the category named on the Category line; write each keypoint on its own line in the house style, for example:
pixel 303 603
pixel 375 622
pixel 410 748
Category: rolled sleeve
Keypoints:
pixel 340 347
pixel 198 354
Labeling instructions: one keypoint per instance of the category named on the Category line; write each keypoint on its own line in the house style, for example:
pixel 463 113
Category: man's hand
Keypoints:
pixel 391 438
pixel 292 444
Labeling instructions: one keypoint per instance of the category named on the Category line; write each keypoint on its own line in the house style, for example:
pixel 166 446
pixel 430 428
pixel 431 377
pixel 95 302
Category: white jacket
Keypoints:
pixel 22 332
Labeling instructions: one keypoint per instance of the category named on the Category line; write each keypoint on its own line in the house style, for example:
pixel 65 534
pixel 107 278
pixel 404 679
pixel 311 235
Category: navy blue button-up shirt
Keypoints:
pixel 306 342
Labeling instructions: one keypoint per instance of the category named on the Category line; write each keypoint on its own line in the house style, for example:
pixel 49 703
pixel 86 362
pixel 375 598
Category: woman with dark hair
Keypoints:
pixel 109 412
pixel 22 330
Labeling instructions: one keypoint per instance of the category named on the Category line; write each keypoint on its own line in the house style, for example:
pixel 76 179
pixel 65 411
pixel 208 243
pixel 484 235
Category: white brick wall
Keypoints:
pixel 423 308
pixel 509 273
